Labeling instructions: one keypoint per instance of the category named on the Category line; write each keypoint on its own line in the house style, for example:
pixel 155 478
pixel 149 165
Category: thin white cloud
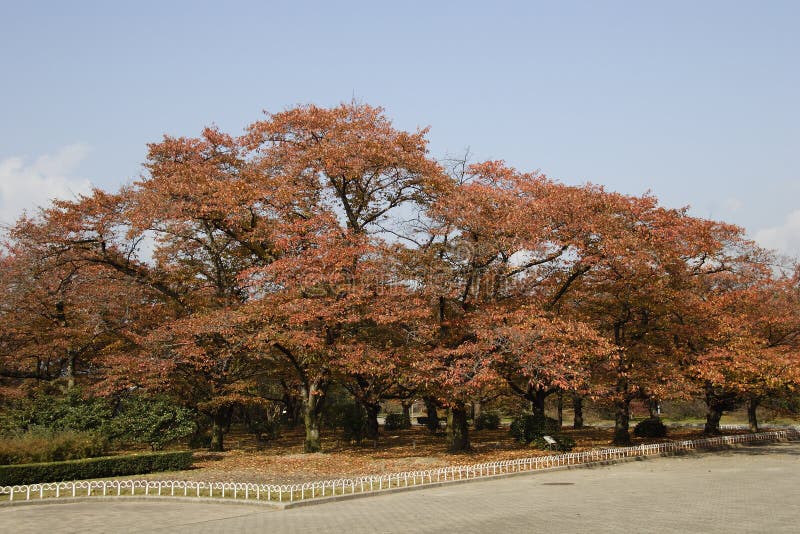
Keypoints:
pixel 26 186
pixel 784 238
pixel 732 204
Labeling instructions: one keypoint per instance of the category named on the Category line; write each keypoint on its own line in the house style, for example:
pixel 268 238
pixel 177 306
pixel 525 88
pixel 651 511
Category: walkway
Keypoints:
pixel 748 489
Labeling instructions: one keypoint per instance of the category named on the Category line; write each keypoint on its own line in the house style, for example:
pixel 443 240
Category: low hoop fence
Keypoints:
pixel 289 493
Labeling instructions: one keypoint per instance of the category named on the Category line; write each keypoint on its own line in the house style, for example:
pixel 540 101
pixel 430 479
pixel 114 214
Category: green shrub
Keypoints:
pixel 650 428
pixel 488 421
pixel 44 445
pixel 106 466
pixel 396 421
pixel 58 412
pixel 156 421
pixel 527 427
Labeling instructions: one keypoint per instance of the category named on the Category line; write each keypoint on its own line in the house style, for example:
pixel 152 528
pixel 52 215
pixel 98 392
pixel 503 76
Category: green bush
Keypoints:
pixel 106 466
pixel 156 421
pixel 527 427
pixel 396 421
pixel 57 412
pixel 650 428
pixel 488 421
pixel 45 445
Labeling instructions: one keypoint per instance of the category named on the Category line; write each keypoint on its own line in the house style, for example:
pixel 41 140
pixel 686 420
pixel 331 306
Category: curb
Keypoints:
pixel 345 497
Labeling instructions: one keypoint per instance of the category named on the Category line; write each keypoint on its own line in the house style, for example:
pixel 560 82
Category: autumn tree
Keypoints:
pixel 61 318
pixel 753 352
pixel 502 250
pixel 637 288
pixel 330 292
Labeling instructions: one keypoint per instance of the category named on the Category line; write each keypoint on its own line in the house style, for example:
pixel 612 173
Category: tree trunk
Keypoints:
pixel 752 419
pixel 622 419
pixel 372 420
pixel 577 408
pixel 560 409
pixel 313 399
pixel 220 422
pixel 537 399
pixel 457 429
pixel 623 416
pixel 433 415
pixel 714 406
pixel 70 370
pixel 293 407
pixel 407 413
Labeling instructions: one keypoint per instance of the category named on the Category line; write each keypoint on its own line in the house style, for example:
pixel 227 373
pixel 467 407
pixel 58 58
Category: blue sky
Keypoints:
pixel 696 101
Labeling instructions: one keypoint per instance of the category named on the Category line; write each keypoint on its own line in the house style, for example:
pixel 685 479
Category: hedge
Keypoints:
pixel 105 466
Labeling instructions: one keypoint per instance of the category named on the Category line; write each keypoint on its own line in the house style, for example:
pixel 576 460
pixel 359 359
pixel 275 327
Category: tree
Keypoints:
pixel 63 319
pixel 754 351
pixel 332 286
pixel 641 271
pixel 501 242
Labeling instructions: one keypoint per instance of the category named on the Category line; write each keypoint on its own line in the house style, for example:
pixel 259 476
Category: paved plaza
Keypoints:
pixel 747 489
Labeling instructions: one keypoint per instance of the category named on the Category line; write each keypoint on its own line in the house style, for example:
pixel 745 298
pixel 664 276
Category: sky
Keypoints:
pixel 696 102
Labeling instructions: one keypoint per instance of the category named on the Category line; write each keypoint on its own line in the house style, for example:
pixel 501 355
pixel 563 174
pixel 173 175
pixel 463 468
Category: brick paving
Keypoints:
pixel 747 489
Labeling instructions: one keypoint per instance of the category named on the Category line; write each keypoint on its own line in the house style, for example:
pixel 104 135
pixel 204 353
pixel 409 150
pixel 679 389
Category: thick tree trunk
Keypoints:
pixel 752 418
pixel 457 429
pixel 433 415
pixel 313 399
pixel 577 409
pixel 372 420
pixel 311 419
pixel 220 422
pixel 714 408
pixel 622 435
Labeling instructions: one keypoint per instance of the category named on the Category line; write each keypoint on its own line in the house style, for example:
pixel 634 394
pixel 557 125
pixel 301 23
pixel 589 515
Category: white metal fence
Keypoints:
pixel 326 488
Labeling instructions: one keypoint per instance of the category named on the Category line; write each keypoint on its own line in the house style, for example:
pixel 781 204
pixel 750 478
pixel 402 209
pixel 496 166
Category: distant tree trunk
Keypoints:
pixel 714 408
pixel 622 417
pixel 293 407
pixel 577 408
pixel 220 422
pixel 457 428
pixel 622 420
pixel 537 399
pixel 70 371
pixel 652 407
pixel 407 413
pixel 752 419
pixel 372 410
pixel 433 415
pixel 560 408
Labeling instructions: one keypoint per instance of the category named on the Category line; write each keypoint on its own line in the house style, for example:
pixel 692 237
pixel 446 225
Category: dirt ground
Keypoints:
pixel 282 461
